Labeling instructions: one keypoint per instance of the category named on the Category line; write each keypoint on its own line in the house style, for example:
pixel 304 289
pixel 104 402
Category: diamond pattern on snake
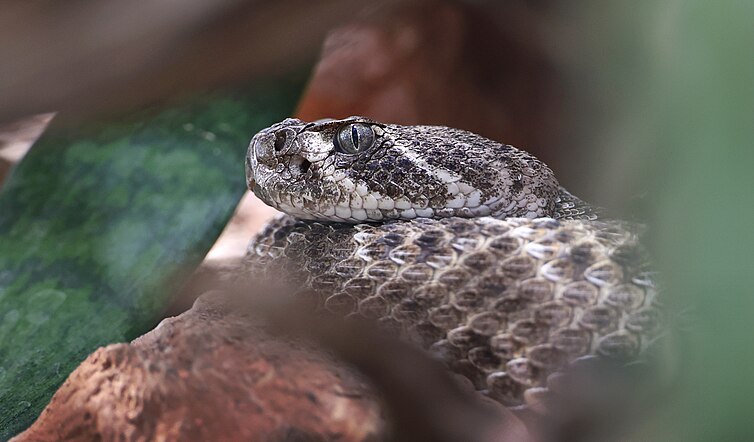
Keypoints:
pixel 468 247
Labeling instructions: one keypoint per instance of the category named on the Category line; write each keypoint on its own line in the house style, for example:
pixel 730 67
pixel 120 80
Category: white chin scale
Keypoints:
pixel 373 207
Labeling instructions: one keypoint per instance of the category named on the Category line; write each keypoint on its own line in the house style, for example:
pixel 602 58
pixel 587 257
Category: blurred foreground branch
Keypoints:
pixel 90 56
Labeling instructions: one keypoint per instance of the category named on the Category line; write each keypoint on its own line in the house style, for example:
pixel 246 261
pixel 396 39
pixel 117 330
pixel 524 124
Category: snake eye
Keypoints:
pixel 354 138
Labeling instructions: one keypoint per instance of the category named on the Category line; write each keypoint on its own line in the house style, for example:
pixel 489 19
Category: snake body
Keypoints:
pixel 467 247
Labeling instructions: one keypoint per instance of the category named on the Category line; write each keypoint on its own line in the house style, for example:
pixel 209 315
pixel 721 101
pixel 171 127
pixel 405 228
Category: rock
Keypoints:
pixel 210 374
pixel 480 67
pixel 16 139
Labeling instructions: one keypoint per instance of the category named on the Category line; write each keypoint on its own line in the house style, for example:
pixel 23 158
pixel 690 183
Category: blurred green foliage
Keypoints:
pixel 677 129
pixel 98 220
pixel 704 68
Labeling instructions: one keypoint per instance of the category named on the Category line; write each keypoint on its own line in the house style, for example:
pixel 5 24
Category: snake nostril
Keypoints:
pixel 281 139
pixel 299 165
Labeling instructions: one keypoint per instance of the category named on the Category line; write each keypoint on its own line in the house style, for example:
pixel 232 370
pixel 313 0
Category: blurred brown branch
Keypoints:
pixel 90 56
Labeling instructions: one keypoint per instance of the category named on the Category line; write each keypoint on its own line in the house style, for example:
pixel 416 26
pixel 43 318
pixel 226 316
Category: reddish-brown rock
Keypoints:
pixel 482 68
pixel 210 375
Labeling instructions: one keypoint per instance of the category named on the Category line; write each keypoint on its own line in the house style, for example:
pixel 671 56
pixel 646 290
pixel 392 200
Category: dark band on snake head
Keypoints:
pixel 357 170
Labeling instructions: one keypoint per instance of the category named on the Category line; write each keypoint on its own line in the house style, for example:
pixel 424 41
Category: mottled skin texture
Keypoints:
pixel 474 251
pixel 406 172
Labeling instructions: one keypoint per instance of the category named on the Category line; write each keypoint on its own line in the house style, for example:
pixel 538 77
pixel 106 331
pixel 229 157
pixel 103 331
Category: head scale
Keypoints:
pixel 358 170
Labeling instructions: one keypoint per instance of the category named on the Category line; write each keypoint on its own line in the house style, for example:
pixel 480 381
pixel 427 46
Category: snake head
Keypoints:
pixel 358 170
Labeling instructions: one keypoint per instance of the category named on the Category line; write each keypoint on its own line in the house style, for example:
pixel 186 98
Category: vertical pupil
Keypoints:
pixel 355 136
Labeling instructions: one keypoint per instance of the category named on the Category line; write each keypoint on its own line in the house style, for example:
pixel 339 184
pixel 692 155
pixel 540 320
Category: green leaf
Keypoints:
pixel 98 220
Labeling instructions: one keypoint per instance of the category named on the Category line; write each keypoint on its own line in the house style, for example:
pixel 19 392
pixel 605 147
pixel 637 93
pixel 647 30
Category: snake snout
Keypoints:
pixel 270 147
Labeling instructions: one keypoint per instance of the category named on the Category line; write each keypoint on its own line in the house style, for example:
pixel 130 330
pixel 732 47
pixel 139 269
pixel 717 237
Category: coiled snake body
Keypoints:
pixel 466 246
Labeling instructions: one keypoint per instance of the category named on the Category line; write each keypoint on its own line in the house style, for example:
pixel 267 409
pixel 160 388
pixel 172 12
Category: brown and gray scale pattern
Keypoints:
pixel 503 302
pixel 468 247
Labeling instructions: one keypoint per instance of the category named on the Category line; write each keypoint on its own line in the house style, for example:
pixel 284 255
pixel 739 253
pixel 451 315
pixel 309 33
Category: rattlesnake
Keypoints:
pixel 466 246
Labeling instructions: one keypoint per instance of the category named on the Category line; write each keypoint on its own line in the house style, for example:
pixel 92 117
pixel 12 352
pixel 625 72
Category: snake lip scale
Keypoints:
pixel 468 247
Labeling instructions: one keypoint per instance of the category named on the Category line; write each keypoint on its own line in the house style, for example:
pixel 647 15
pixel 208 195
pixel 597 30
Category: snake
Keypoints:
pixel 467 247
